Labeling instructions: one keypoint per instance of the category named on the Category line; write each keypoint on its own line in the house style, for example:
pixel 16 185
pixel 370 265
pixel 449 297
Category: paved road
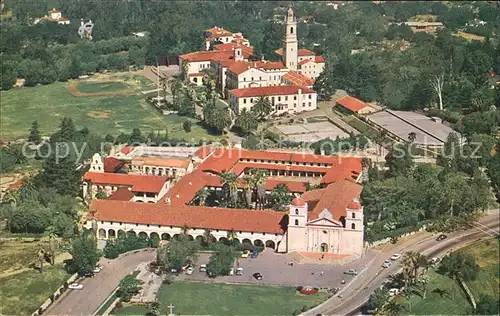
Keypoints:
pixel 96 290
pixel 358 292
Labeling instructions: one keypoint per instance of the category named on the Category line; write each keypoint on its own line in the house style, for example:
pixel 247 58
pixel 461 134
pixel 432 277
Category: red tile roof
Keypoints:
pixel 218 31
pixel 112 164
pixel 203 152
pixel 16 185
pixel 351 103
pixel 304 61
pixel 240 67
pixel 297 78
pixel 269 91
pixel 319 59
pixel 177 162
pixel 192 216
pixel 335 198
pixel 347 168
pixel 122 194
pixel 205 55
pixel 139 183
pixel 302 52
pixel 298 202
pixel 127 149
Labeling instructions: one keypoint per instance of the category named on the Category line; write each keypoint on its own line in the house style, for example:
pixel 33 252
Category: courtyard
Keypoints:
pixel 316 128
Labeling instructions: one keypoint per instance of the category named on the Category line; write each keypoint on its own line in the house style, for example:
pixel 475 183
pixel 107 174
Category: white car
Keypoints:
pixel 393 292
pixel 75 286
pixel 395 256
pixel 387 264
pixel 189 270
pixel 97 269
pixel 203 268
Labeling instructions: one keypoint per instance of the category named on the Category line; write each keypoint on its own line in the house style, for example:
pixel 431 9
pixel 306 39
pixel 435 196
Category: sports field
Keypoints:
pixel 103 107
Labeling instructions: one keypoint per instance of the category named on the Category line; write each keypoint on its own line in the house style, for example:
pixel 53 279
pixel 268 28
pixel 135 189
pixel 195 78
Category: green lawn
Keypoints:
pixel 24 292
pixel 224 299
pixel 101 114
pixel 132 310
pixel 95 87
pixel 487 282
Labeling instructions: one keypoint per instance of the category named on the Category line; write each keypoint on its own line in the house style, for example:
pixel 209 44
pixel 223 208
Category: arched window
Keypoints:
pixel 195 79
pixel 296 222
pixel 296 211
pixel 353 226
pixel 353 215
pixel 291 30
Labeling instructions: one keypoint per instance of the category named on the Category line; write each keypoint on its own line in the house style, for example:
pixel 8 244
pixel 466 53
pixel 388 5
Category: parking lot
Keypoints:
pixel 275 270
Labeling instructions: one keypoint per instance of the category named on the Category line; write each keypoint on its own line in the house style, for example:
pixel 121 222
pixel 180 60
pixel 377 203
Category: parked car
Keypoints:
pixel 89 275
pixel 254 254
pixel 435 260
pixel 231 271
pixel 351 272
pixel 441 237
pixel 387 263
pixel 395 256
pixel 245 254
pixel 97 269
pixel 75 286
pixel 239 271
pixel 393 292
pixel 210 274
pixel 189 270
pixel 203 268
pixel 257 276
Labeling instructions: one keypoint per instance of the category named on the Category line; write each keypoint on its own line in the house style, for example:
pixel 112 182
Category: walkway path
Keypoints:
pixel 96 290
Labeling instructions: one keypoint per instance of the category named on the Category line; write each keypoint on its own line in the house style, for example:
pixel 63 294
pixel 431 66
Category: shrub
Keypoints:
pixel 187 126
pixel 299 288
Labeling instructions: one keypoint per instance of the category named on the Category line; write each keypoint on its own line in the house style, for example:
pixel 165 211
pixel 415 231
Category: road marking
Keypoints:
pixel 491 232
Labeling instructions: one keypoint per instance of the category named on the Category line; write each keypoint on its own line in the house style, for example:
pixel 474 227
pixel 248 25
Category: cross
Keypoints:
pixel 171 308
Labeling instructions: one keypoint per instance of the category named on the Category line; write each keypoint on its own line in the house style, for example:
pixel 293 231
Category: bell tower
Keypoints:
pixel 290 45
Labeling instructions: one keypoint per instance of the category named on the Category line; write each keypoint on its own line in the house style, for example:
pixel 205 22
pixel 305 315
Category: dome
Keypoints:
pixel 354 205
pixel 298 202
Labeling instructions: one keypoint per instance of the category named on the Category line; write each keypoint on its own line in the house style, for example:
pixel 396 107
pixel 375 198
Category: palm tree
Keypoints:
pixel 229 181
pixel 407 263
pixel 185 69
pixel 260 179
pixel 175 87
pixel 424 281
pixel 232 236
pixel 411 137
pixel 393 308
pixel 185 229
pixel 208 237
pixel 249 187
pixel 366 164
pixel 262 107
pixel 202 195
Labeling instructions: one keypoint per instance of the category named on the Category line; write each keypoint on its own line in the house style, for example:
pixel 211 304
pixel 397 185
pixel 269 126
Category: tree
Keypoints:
pixel 459 265
pixel 232 236
pixel 101 194
pixel 247 121
pixel 177 253
pixel 437 83
pixel 67 130
pixel 202 195
pixel 280 198
pixel 487 305
pixel 222 261
pixel 187 126
pixel 378 299
pixel 84 253
pixel 155 309
pixel 262 108
pixel 208 238
pixel 229 182
pixel 399 161
pixel 34 136
pixel 128 287
pixel 393 308
pixel 248 189
pixel 59 172
pixel 136 137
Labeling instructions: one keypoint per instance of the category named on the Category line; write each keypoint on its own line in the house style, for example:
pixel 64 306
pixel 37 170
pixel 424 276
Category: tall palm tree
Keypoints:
pixel 229 180
pixel 175 87
pixel 249 187
pixel 260 179
pixel 185 229
pixel 208 238
pixel 202 195
pixel 262 107
pixel 366 164
pixel 232 236
pixel 185 69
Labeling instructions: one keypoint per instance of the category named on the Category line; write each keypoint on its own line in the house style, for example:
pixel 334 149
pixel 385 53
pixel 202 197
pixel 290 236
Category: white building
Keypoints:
pixel 292 99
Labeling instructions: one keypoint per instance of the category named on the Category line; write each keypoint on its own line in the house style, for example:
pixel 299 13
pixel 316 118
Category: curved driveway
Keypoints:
pixel 96 290
pixel 359 290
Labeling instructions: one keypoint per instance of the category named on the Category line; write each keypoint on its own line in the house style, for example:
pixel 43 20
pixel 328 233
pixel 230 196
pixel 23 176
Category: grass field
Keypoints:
pixel 132 310
pixel 24 292
pixel 15 255
pixel 101 114
pixel 224 299
pixel 487 282
pixel 96 87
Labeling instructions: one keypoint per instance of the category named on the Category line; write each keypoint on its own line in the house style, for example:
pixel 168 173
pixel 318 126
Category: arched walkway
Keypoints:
pixel 143 234
pixel 176 236
pixel 270 244
pixel 199 239
pixel 225 241
pixel 102 234
pixel 121 233
pixel 154 235
pixel 165 236
pixel 258 243
pixel 247 241
pixel 111 234
pixel 131 233
pixel 190 237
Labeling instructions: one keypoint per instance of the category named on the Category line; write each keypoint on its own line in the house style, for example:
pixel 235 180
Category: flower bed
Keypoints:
pixel 308 291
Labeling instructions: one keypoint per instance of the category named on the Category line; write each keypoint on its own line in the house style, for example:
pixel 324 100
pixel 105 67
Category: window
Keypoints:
pixel 303 104
pixel 296 211
pixel 353 226
pixel 111 223
pixel 296 222
pixel 309 96
pixel 279 99
pixel 252 79
pixel 353 215
pixel 286 98
pixel 251 100
pixel 260 78
pixel 309 104
pixel 295 97
pixel 121 223
pixel 102 222
pixel 244 101
pixel 159 226
pixel 291 30
pixel 147 225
